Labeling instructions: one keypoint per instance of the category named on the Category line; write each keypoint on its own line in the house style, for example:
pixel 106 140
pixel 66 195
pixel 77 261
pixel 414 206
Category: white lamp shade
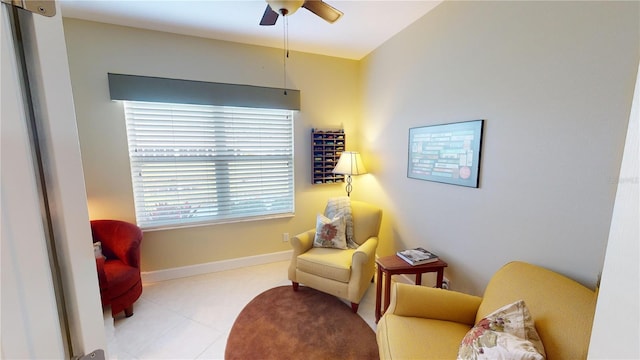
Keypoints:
pixel 350 163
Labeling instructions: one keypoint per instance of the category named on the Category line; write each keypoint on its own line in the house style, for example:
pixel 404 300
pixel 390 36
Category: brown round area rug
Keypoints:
pixel 306 324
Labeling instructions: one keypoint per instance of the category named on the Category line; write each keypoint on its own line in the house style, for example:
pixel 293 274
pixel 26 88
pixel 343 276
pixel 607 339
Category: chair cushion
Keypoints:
pixel 328 263
pixel 120 277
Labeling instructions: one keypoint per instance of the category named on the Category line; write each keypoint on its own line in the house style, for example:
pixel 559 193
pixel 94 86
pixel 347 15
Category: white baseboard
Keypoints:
pixel 411 280
pixel 215 266
pixel 404 278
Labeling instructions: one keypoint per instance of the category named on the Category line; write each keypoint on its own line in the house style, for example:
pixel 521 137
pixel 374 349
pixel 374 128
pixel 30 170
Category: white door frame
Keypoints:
pixel 50 83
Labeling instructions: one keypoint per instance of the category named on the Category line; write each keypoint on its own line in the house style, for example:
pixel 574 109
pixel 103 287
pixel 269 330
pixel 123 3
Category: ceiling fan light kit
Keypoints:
pixel 288 7
pixel 285 7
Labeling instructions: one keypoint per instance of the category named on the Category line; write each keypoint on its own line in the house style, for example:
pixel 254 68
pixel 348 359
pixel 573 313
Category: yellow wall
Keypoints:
pixel 329 97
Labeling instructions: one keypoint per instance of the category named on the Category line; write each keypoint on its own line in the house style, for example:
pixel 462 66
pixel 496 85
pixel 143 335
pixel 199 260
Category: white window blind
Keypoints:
pixel 200 163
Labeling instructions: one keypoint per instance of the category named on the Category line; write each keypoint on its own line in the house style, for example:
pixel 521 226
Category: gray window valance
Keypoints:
pixel 155 89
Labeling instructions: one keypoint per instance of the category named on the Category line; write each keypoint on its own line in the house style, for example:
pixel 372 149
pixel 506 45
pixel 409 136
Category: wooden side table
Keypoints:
pixel 393 265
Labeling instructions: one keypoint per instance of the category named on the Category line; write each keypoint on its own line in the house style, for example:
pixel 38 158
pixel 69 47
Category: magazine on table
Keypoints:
pixel 417 256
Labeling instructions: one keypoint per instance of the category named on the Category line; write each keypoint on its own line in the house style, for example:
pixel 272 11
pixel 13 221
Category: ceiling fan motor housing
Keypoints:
pixel 285 7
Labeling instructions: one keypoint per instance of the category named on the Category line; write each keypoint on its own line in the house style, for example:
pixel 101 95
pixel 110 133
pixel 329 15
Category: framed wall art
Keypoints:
pixel 446 153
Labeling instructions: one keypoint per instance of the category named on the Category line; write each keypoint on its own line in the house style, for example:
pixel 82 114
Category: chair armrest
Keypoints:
pixel 302 242
pixel 365 252
pixel 433 303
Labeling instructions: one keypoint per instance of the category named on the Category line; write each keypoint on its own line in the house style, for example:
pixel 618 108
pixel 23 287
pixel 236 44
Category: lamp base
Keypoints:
pixel 349 187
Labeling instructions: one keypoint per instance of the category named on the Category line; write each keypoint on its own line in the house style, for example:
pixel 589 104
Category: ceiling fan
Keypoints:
pixel 288 7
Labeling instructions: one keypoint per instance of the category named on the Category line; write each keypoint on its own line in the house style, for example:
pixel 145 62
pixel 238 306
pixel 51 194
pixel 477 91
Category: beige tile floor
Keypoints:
pixel 190 318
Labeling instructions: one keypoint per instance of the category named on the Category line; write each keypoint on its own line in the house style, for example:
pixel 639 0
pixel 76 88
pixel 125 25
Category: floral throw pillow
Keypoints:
pixel 330 233
pixel 507 333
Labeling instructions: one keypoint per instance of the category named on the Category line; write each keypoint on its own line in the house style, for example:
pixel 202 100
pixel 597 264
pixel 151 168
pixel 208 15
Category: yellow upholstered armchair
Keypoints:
pixel 345 273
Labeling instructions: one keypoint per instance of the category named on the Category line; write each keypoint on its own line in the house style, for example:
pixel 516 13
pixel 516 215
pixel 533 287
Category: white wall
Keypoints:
pixel 554 82
pixel 616 327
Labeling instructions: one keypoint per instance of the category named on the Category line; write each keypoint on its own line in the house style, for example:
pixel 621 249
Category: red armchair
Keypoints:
pixel 119 270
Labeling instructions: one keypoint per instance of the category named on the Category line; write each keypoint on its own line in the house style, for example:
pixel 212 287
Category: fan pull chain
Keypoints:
pixel 286 51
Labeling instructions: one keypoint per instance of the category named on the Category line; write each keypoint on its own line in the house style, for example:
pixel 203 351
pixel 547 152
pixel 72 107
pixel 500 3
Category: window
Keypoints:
pixel 200 164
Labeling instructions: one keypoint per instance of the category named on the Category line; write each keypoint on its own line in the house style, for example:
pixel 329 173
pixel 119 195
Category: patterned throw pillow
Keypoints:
pixel 97 250
pixel 507 333
pixel 330 233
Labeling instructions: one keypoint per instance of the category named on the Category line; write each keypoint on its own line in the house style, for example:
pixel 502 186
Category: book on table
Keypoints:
pixel 417 256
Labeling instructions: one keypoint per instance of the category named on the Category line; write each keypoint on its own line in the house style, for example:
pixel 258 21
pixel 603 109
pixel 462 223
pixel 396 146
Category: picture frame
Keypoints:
pixel 446 153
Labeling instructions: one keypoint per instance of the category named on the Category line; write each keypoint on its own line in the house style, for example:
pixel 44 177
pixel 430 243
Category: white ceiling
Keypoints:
pixel 366 24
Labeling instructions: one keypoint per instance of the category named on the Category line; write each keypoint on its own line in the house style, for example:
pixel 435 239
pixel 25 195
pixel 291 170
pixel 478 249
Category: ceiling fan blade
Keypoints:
pixel 269 17
pixel 322 9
